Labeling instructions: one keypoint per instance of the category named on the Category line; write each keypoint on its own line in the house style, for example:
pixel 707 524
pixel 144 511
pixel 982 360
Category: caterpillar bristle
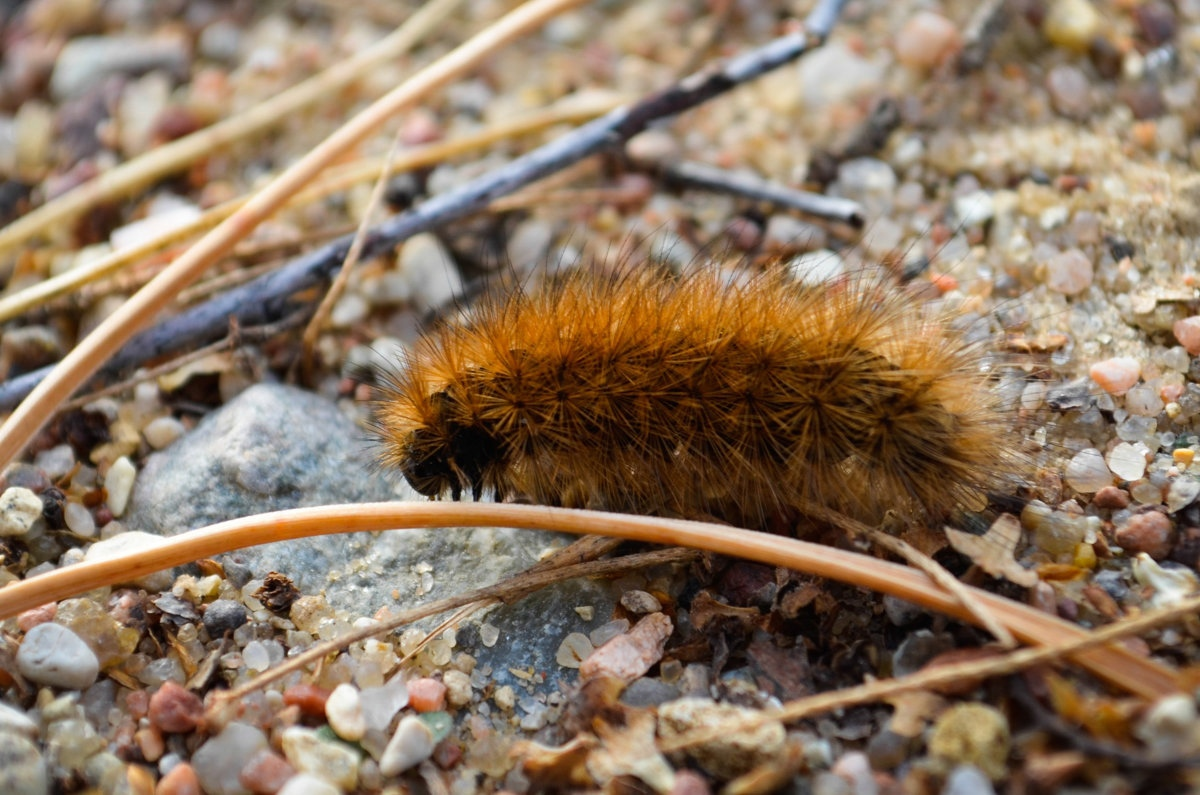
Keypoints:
pixel 745 398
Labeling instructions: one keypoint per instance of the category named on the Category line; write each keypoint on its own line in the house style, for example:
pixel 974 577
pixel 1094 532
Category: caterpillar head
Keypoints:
pixel 443 456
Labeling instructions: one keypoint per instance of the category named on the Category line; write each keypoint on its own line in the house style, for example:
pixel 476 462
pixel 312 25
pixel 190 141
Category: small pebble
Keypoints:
pixel 1087 472
pixel 19 509
pixel 23 771
pixel 53 655
pixel 1150 532
pixel 175 710
pixel 335 762
pixel 1187 331
pixel 179 780
pixel 30 618
pixel 55 462
pixel 79 520
pixel 640 602
pixel 266 771
pixel 926 40
pixel 1182 493
pixel 162 431
pixel 430 271
pixel 380 704
pixel 223 616
pixel 14 720
pixel 1071 24
pixel 1127 461
pixel 344 710
pixel 458 687
pixel 426 695
pixel 967 780
pixel 412 744
pixel 308 784
pixel 1069 91
pixel 574 649
pixel 1116 375
pixel 1111 498
pixel 119 484
pixel 220 759
pixel 1069 272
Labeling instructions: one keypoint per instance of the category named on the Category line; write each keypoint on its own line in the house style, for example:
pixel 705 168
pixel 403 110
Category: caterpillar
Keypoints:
pixel 744 398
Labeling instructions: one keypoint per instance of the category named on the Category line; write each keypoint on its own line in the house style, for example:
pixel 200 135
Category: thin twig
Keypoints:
pixel 701 175
pixel 342 277
pixel 88 356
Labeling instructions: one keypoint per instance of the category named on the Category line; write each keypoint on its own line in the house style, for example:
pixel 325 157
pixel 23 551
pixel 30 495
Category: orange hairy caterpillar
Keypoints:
pixel 702 395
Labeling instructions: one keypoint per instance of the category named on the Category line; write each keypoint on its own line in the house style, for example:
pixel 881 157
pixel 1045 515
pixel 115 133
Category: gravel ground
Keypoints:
pixel 1035 183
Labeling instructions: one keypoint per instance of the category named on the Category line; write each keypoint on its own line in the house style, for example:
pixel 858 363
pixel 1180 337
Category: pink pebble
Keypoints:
pixel 37 615
pixel 181 780
pixel 1117 374
pixel 926 40
pixel 426 695
pixel 1069 272
pixel 1187 331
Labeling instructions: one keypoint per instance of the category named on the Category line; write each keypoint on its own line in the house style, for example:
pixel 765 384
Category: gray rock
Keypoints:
pixel 276 447
pixel 53 655
pixel 22 771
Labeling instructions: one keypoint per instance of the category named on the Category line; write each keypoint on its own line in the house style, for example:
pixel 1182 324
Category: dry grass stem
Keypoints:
pixel 1114 664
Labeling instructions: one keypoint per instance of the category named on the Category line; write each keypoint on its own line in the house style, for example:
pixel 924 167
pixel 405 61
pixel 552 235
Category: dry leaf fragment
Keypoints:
pixel 556 768
pixel 630 750
pixel 993 551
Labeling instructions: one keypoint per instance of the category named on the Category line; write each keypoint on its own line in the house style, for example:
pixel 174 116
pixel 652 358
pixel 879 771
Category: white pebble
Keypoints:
pixel 19 509
pixel 53 655
pixel 14 720
pixel 335 762
pixel 350 310
pixel 1069 272
pixel 430 271
pixel 574 649
pixel 306 784
pixel 256 656
pixel 1182 493
pixel 380 704
pixel 411 745
pixel 344 711
pixel 119 484
pixel 162 431
pixel 79 520
pixel 1127 461
pixel 1087 473
pixel 975 209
